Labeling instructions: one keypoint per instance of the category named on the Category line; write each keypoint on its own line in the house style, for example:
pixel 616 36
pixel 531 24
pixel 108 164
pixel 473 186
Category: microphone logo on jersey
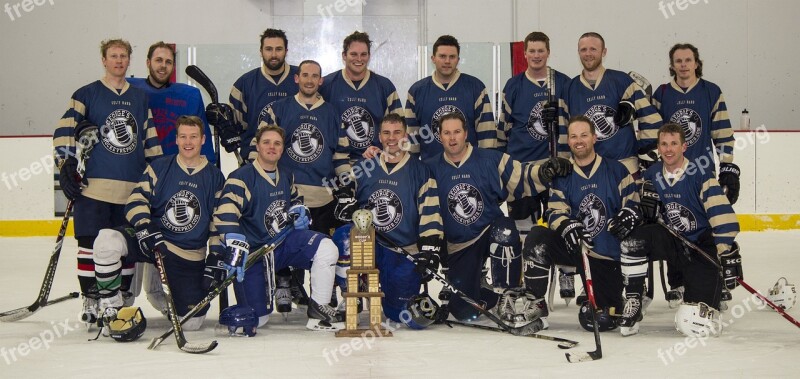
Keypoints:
pixel 603 118
pixel 360 127
pixel 465 203
pixel 119 132
pixel 691 123
pixel 443 110
pixel 593 213
pixel 387 210
pixel 275 218
pixel 680 217
pixel 183 212
pixel 263 114
pixel 535 125
pixel 306 144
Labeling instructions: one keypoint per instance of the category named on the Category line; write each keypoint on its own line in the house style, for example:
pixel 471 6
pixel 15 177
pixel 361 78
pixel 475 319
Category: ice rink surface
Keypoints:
pixel 757 342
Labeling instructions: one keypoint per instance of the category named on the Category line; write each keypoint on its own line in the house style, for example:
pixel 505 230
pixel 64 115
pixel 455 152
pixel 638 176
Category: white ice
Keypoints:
pixel 758 342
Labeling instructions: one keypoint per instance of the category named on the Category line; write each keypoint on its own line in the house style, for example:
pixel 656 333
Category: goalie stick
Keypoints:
pixel 715 262
pixel 598 352
pixel 220 288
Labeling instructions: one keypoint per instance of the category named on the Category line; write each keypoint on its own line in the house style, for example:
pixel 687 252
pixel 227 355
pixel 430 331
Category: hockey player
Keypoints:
pixel 169 210
pixel 254 91
pixel 586 208
pixel 699 107
pixel 690 200
pixel 448 90
pixel 256 204
pixel 361 97
pixel 522 129
pixel 401 192
pixel 472 183
pixel 611 100
pixel 127 140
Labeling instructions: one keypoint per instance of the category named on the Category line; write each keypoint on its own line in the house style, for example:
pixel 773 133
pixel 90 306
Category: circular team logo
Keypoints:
pixel 387 210
pixel 465 203
pixel 275 217
pixel 603 118
pixel 263 114
pixel 443 110
pixel 535 125
pixel 593 213
pixel 680 217
pixel 360 127
pixel 183 212
pixel 691 123
pixel 306 144
pixel 119 132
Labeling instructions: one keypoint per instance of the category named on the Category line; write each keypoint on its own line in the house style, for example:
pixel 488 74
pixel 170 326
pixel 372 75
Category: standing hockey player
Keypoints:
pixel 523 129
pixel 699 107
pixel 257 89
pixel 448 90
pixel 127 140
pixel 169 210
pixel 361 97
pixel 401 193
pixel 472 183
pixel 257 202
pixel 611 100
pixel 688 198
pixel 592 206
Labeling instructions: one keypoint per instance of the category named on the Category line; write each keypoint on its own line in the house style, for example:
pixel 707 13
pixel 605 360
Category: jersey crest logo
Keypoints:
pixel 306 144
pixel 603 118
pixel 182 213
pixel 465 203
pixel 535 125
pixel 119 132
pixel 263 114
pixel 443 110
pixel 387 209
pixel 592 211
pixel 360 127
pixel 680 217
pixel 691 123
pixel 275 217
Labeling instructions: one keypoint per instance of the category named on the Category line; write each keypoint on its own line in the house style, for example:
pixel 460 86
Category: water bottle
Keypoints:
pixel 744 122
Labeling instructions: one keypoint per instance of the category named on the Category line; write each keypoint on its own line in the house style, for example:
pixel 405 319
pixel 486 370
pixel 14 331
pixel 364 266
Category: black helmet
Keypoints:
pixel 128 326
pixel 420 312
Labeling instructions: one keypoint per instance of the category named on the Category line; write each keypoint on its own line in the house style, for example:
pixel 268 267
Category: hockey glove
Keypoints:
pixel 215 272
pixel 229 131
pixel 731 266
pixel 150 238
pixel 69 179
pixel 430 256
pixel 554 167
pixel 549 113
pixel 345 203
pixel 650 202
pixel 235 255
pixel 623 223
pixel 729 181
pixel 648 156
pixel 574 235
pixel 301 216
pixel 624 114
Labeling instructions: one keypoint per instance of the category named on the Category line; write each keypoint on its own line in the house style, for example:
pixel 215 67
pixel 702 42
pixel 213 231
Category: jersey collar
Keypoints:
pixel 316 105
pixel 350 82
pixel 577 170
pixel 398 166
pixel 197 168
pixel 597 83
pixel 264 175
pixel 463 160
pixel 269 77
pixel 109 86
pixel 679 173
pixel 675 86
pixel 452 83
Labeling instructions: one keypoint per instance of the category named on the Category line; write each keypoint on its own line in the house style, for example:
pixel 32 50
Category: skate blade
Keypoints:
pixel 323 326
pixel 627 331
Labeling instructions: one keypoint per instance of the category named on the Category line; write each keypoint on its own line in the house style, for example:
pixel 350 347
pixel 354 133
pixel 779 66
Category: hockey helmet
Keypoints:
pixel 605 321
pixel 783 294
pixel 129 325
pixel 698 320
pixel 238 320
pixel 420 312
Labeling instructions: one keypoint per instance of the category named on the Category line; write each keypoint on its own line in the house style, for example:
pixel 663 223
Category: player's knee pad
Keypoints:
pixel 194 323
pixel 109 247
pixel 505 252
pixel 327 254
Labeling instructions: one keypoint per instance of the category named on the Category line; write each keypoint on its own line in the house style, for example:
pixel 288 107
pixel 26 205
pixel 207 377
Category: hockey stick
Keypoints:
pixel 563 342
pixel 204 81
pixel 20 313
pixel 552 127
pixel 216 291
pixel 716 263
pixel 598 353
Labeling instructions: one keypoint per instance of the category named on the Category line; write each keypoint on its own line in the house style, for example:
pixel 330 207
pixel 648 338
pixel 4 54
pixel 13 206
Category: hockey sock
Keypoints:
pixel 86 276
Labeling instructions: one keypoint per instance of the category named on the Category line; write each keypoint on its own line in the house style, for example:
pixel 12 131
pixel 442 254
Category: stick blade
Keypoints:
pixel 583 357
pixel 198 348
pixel 155 342
pixel 17 314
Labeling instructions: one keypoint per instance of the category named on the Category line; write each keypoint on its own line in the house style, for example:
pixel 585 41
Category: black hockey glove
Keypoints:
pixel 623 223
pixel 69 179
pixel 731 266
pixel 648 156
pixel 624 114
pixel 650 202
pixel 554 167
pixel 229 131
pixel 549 113
pixel 574 234
pixel 215 272
pixel 345 203
pixel 430 256
pixel 729 181
pixel 150 239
